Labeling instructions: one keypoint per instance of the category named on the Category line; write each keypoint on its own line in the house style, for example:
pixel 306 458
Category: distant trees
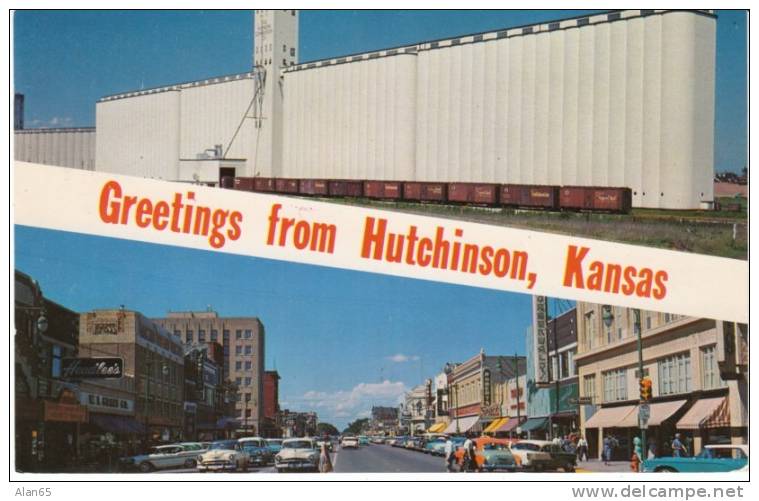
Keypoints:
pixel 732 177
pixel 323 429
pixel 357 426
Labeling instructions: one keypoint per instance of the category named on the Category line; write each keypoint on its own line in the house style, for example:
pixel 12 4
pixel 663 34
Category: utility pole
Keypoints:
pixel 643 445
pixel 516 372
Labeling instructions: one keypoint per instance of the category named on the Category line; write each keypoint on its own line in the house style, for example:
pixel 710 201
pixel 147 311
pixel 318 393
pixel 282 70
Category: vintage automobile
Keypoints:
pixel 559 459
pixel 274 444
pixel 711 459
pixel 162 457
pixel 349 441
pixel 491 454
pixel 530 454
pixel 297 454
pixel 259 453
pixel 223 455
pixel 363 440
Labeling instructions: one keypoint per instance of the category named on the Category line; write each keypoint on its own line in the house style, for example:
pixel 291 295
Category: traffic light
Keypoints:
pixel 645 389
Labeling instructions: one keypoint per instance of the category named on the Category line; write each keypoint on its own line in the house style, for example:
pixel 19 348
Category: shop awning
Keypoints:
pixel 494 425
pixel 706 413
pixel 436 428
pixel 661 411
pixel 463 424
pixel 534 424
pixel 613 417
pixel 508 425
pixel 117 424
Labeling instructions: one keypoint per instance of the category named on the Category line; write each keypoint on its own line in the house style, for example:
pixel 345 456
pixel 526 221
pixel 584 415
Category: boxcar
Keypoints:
pixel 417 191
pixel 264 184
pixel 314 187
pixel 596 198
pixel 534 196
pixel 386 190
pixel 346 188
pixel 244 183
pixel 574 197
pixel 473 193
pixel 227 182
pixel 283 185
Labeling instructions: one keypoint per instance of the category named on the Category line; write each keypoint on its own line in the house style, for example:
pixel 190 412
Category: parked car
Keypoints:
pixel 259 453
pixel 363 440
pixel 414 443
pixel 435 446
pixel 349 442
pixel 559 459
pixel 378 440
pixel 712 458
pixel 529 454
pixel 297 454
pixel 274 445
pixel 162 457
pixel 223 455
pixel 491 454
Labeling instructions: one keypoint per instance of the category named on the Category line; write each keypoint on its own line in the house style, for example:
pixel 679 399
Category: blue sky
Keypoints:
pixel 341 340
pixel 65 61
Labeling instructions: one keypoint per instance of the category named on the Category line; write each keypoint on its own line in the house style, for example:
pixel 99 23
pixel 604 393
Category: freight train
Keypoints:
pixel 552 198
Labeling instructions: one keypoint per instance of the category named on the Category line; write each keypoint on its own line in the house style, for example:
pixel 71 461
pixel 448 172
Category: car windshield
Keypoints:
pixel 223 445
pixel 495 447
pixel 249 445
pixel 274 442
pixel 526 447
pixel 297 444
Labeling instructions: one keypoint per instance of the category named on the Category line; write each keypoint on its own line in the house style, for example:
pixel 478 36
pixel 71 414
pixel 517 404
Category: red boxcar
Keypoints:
pixel 473 193
pixel 346 188
pixel 264 184
pixel 244 183
pixel 596 198
pixel 523 195
pixel 286 185
pixel 314 187
pixel 388 190
pixel 424 192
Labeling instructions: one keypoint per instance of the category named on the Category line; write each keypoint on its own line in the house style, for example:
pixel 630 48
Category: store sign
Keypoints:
pixel 81 368
pixel 487 396
pixel 101 402
pixel 539 305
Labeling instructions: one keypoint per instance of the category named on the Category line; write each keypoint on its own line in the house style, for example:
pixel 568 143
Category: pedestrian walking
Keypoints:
pixel 678 447
pixel 449 455
pixel 325 462
pixel 582 449
pixel 636 461
pixel 607 449
pixel 469 461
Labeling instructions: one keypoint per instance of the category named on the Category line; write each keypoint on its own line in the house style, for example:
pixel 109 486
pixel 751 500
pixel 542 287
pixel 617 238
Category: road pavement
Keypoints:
pixel 386 459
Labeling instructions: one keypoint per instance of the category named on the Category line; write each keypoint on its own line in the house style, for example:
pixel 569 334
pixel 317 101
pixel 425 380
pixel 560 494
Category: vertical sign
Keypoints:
pixel 539 322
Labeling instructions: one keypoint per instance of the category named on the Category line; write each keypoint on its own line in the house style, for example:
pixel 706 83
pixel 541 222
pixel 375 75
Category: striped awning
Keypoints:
pixel 613 417
pixel 493 427
pixel 508 425
pixel 463 424
pixel 706 413
pixel 436 428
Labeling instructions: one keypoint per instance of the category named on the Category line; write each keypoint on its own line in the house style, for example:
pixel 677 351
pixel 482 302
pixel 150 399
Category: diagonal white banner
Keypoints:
pixel 378 241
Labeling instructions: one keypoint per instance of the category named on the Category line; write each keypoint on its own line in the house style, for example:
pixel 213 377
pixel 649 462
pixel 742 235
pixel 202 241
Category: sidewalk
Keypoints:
pixel 598 466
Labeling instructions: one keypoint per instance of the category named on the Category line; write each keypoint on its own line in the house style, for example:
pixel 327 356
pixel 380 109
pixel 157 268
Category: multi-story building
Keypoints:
pixel 48 414
pixel 418 410
pixel 384 419
pixel 511 397
pixel 204 392
pixel 152 358
pixel 269 427
pixel 441 402
pixel 473 403
pixel 297 424
pixel 698 368
pixel 552 391
pixel 242 340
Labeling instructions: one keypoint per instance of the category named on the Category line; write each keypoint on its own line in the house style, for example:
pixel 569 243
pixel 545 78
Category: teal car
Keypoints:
pixel 712 459
pixel 363 440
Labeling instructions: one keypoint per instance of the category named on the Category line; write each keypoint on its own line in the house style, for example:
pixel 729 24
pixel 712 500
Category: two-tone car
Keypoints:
pixel 531 454
pixel 163 457
pixel 274 445
pixel 223 455
pixel 711 459
pixel 297 454
pixel 259 453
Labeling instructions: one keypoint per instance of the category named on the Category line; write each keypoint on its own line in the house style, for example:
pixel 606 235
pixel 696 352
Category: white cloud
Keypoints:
pixel 52 122
pixel 339 407
pixel 400 358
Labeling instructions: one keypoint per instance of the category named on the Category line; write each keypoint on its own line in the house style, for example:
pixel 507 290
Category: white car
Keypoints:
pixel 350 441
pixel 163 457
pixel 297 454
pixel 224 455
pixel 528 452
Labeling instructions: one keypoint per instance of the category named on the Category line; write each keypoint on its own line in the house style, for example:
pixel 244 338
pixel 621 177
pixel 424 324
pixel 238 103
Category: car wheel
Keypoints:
pixel 146 467
pixel 190 463
pixel 569 468
pixel 665 469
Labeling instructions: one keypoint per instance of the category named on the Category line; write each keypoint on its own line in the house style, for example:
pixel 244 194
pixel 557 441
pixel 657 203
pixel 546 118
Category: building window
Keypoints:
pixel 619 332
pixel 238 334
pixel 284 48
pixel 292 51
pixel 238 365
pixel 248 349
pixel 57 354
pixel 710 378
pixel 590 329
pixel 589 386
pixel 214 335
pixel 248 365
pixel 238 381
pixel 608 336
pixel 247 381
pixel 248 333
pixel 225 335
pixel 615 385
pixel 284 62
pixel 178 333
pixel 571 361
pixel 201 336
pixel 674 374
pixel 648 321
pixel 189 336
pixel 238 350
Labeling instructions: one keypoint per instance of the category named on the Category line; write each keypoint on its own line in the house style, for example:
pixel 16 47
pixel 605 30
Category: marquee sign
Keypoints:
pixel 92 368
pixel 539 305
